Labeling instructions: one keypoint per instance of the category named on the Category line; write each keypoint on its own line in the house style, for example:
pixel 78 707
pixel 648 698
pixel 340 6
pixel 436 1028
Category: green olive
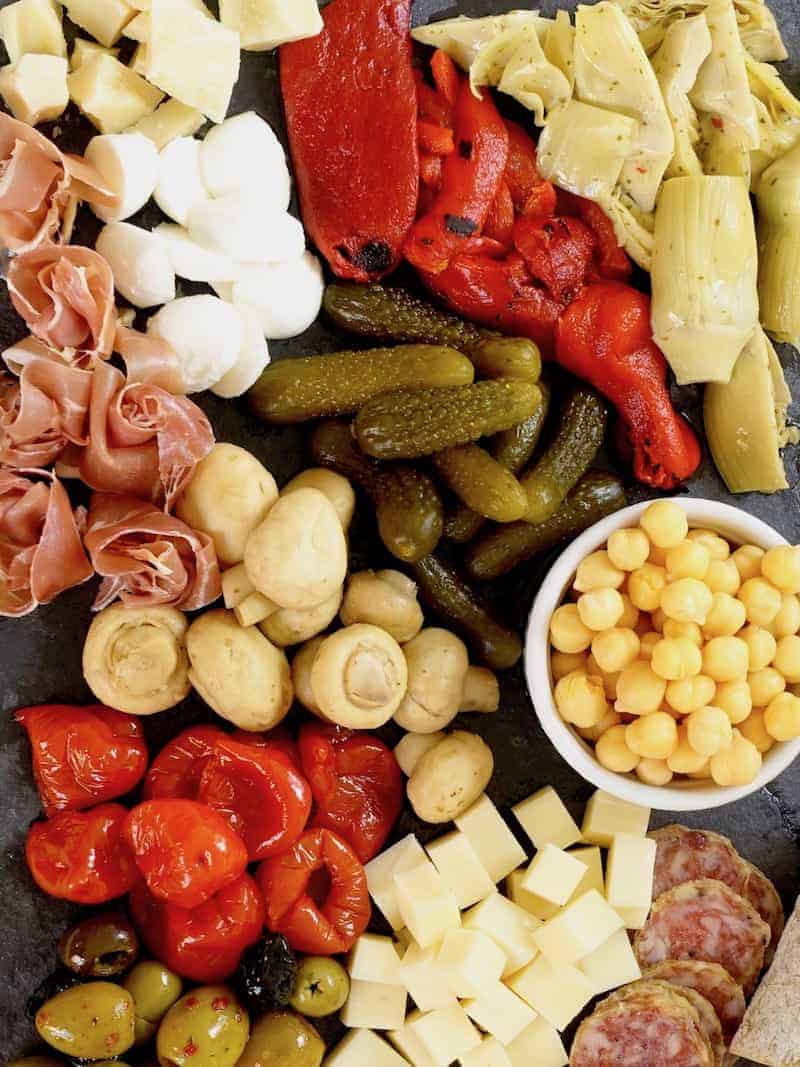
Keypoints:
pixel 206 1028
pixel 88 1021
pixel 321 987
pixel 100 947
pixel 283 1039
pixel 154 989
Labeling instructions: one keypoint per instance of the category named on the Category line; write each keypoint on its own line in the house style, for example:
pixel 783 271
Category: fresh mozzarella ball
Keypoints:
pixel 224 290
pixel 128 164
pixel 251 361
pixel 286 296
pixel 190 260
pixel 244 152
pixel 139 262
pixel 206 334
pixel 179 185
pixel 246 227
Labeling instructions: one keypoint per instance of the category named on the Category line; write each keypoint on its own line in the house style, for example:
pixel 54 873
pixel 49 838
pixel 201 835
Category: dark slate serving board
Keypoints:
pixel 40 656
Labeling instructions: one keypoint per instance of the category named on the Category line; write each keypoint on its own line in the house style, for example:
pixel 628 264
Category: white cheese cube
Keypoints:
pixel 111 95
pixel 374 1006
pixel 500 1012
pixel 633 918
pixel 266 24
pixel 445 1034
pixel 412 747
pixel 406 1041
pixel 554 875
pixel 515 890
pixel 629 871
pixel 538 1046
pixel 35 88
pixel 381 871
pixel 169 121
pixel 362 1048
pixel 462 872
pixel 593 879
pixel 471 958
pixel 490 1053
pixel 513 928
pixel 546 821
pixel 606 815
pixel 497 848
pixel 558 993
pixel 427 982
pixel 374 959
pixel 578 930
pixel 32 26
pixel 83 50
pixel 138 29
pixel 611 965
pixel 426 905
pixel 104 21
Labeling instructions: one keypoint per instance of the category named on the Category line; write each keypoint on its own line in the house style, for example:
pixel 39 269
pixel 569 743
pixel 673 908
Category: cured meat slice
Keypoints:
pixel 710 980
pixel 684 854
pixel 708 1021
pixel 149 359
pixel 705 920
pixel 763 895
pixel 42 411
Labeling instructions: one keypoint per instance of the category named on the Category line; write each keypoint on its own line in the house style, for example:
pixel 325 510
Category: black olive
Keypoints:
pixel 266 974
pixel 49 987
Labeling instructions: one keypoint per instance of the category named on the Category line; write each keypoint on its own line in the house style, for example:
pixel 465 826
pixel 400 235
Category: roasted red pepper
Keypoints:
pixel 81 855
pixel 316 894
pixel 357 785
pixel 351 116
pixel 177 769
pixel 605 338
pixel 610 257
pixel 278 741
pixel 500 221
pixel 83 756
pixel 558 252
pixel 531 193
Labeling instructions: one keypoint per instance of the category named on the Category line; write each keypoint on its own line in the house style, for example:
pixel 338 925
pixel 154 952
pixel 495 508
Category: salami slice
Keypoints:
pixel 708 1020
pixel 706 920
pixel 763 895
pixel 713 982
pixel 684 855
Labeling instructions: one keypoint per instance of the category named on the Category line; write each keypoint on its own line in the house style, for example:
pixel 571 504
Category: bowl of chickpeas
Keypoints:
pixel 663 654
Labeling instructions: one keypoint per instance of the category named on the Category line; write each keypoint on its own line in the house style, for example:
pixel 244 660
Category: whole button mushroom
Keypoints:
pixel 450 777
pixel 384 598
pixel 301 675
pixel 334 486
pixel 437 669
pixel 359 677
pixel 289 627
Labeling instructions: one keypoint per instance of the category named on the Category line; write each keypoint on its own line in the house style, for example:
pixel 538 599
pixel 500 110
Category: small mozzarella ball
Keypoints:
pixel 725 659
pixel 765 685
pixel 684 759
pixel 206 335
pixel 723 577
pixel 735 700
pixel 755 730
pixel 761 645
pixel 647 642
pixel 580 699
pixel 628 549
pixel 190 260
pixel 241 152
pixel 246 228
pixel 562 663
pixel 616 649
pixel 689 694
pixel 591 733
pixel 738 764
pixel 286 296
pixel 653 736
pixel 665 523
pixel 782 717
pixel 645 586
pixel 787 621
pixel 639 689
pixel 567 632
pixel 139 262
pixel 629 619
pixel 675 658
pixel 128 165
pixel 658 618
pixel 787 658
pixel 612 751
pixel 658 556
pixel 686 600
pixel 180 186
pixel 654 772
pixel 689 559
pixel 717 546
pixel 689 630
pixel 709 730
pixel 762 601
pixel 600 609
pixel 727 616
pixel 781 566
pixel 250 363
pixel 748 561
pixel 598 572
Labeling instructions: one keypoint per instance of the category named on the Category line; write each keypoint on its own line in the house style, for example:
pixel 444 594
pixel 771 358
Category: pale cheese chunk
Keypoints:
pixel 110 95
pixel 102 19
pixel 170 120
pixel 374 1006
pixel 381 871
pixel 362 1048
pixel 516 891
pixel 497 848
pixel 633 918
pixel 83 50
pixel 374 959
pixel 554 875
pixel 32 26
pixel 35 88
pixel 446 1034
pixel 539 1045
pixel 606 815
pixel 427 907
pixel 471 959
pixel 406 1041
pixel 427 982
pixel 490 1054
pixel 629 871
pixel 577 930
pixel 138 61
pixel 412 747
pixel 513 928
pixel 557 993
pixel 546 821
pixel 462 871
pixel 593 879
pixel 611 965
pixel 500 1012
pixel 266 24
pixel 138 29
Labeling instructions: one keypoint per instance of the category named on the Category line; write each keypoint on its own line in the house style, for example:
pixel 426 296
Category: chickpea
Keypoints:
pixel 689 694
pixel 630 616
pixel 703 774
pixel 665 523
pixel 689 559
pixel 647 643
pixel 723 577
pixel 787 621
pixel 726 659
pixel 598 572
pixel 765 685
pixel 567 632
pixel 591 733
pixel 762 601
pixel 686 600
pixel 684 759
pixel 748 561
pixel 658 618
pixel 616 649
pixel 738 764
pixel 639 690
pixel 609 679
pixel 654 772
pixel 600 609
pixel 628 549
pixel 755 730
pixel 717 546
pixel 709 730
pixel 645 586
pixel 727 616
pixel 653 736
pixel 658 556
pixel 689 630
pixel 782 717
pixel 612 751
pixel 787 658
pixel 581 699
pixel 781 566
pixel 761 644
pixel 735 700
pixel 562 663
pixel 675 658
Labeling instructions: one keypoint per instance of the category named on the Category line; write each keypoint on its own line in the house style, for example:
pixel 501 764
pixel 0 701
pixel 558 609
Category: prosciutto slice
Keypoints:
pixel 149 359
pixel 42 411
pixel 41 553
pixel 147 557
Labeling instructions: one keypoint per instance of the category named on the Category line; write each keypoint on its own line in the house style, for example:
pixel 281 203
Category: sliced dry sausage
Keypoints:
pixel 713 982
pixel 763 895
pixel 684 854
pixel 708 1021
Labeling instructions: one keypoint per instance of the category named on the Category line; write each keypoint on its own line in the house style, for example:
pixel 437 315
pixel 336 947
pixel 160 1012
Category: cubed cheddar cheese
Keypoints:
pixel 83 50
pixel 427 907
pixel 408 1044
pixel 138 29
pixel 496 847
pixel 266 24
pixel 546 821
pixel 515 890
pixel 462 872
pixel 412 747
pixel 362 1048
pixel 557 993
pixel 513 928
pixel 374 959
pixel 471 959
pixel 611 965
pixel 110 95
pixel 500 1012
pixel 539 1045
pixel 578 929
pixel 381 871
pixel 606 815
pixel 138 61
pixel 170 120
pixel 633 918
pixel 103 20
pixel 32 27
pixel 445 1034
pixel 374 1006
pixel 490 1053
pixel 629 871
pixel 35 88
pixel 427 982
pixel 554 875
pixel 593 878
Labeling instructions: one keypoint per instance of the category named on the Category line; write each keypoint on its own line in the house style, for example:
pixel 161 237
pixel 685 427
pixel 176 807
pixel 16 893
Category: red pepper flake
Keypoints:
pixel 642 170
pixel 220 1003
pixel 112 1041
pixel 190 1049
pixel 192 1002
pixel 717 123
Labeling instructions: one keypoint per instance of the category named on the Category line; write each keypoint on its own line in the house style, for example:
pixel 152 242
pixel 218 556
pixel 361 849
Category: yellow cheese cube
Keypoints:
pixel 490 1054
pixel 500 1012
pixel 32 26
pixel 557 993
pixel 426 905
pixel 462 872
pixel 606 815
pixel 554 875
pixel 633 918
pixel 515 890
pixel 471 958
pixel 538 1045
pixel 546 821
pixel 103 19
pixel 611 965
pixel 381 871
pixel 374 959
pixel 407 1043
pixel 110 94
pixel 265 24
pixel 35 88
pixel 170 120
pixel 445 1034
pixel 374 1006
pixel 361 1048
pixel 138 61
pixel 83 50
pixel 497 848
pixel 593 879
pixel 412 747
pixel 513 928
pixel 138 29
pixel 427 982
pixel 629 874
pixel 577 930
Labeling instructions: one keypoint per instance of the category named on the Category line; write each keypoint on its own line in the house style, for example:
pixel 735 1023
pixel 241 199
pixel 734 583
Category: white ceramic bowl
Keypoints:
pixel 686 795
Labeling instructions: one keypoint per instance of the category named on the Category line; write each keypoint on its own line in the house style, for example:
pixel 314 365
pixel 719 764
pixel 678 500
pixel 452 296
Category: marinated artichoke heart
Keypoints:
pixel 135 659
pixel 778 198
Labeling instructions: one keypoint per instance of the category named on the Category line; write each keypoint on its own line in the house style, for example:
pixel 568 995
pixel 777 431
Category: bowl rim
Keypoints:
pixel 723 518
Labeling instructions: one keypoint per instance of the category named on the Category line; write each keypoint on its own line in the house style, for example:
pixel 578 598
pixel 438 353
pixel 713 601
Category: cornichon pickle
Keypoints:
pixel 482 483
pixel 507 357
pixel 446 593
pixel 500 550
pixel 408 423
pixel 580 435
pixel 313 387
pixel 407 504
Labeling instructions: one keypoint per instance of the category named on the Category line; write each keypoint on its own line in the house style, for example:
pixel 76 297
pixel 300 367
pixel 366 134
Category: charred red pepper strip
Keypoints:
pixel 611 258
pixel 531 193
pixel 500 223
pixel 430 171
pixel 431 105
pixel 558 252
pixel 445 75
pixel 605 338
pixel 351 115
pixel 437 140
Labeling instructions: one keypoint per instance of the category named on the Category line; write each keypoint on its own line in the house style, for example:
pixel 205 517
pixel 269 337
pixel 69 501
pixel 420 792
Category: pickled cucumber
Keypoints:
pixel 482 483
pixel 314 387
pixel 407 504
pixel 408 423
pixel 446 593
pixel 507 357
pixel 501 550
pixel 580 435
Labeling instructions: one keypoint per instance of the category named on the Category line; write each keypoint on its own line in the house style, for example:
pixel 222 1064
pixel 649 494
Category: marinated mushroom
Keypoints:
pixel 450 777
pixel 437 667
pixel 289 627
pixel 481 690
pixel 238 671
pixel 228 496
pixel 135 660
pixel 298 555
pixel 384 598
pixel 359 677
pixel 301 675
pixel 334 486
